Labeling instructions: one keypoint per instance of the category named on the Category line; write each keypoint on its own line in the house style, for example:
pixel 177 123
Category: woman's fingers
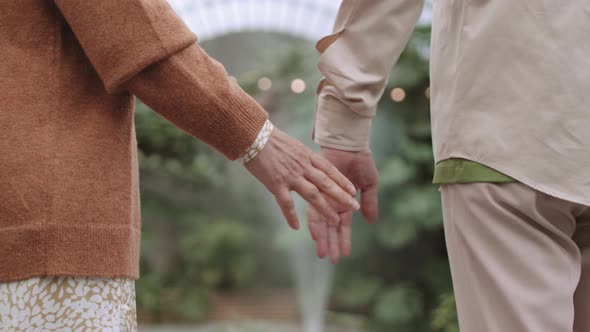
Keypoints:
pixel 328 168
pixel 287 205
pixel 330 188
pixel 332 240
pixel 315 197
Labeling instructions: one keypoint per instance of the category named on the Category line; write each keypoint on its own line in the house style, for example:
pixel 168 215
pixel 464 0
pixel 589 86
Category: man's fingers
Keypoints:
pixel 346 240
pixel 369 203
pixel 318 230
pixel 322 241
pixel 325 166
pixel 334 243
pixel 313 217
pixel 314 196
pixel 287 205
pixel 327 186
pixel 346 218
pixel 346 233
pixel 321 231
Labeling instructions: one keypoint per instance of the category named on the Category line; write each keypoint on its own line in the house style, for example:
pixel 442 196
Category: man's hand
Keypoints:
pixel 335 239
pixel 285 165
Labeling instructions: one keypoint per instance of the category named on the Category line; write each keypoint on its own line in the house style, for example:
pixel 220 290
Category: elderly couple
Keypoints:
pixel 510 117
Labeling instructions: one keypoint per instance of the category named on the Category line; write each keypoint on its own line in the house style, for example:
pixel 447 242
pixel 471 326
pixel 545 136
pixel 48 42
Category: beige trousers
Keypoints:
pixel 520 259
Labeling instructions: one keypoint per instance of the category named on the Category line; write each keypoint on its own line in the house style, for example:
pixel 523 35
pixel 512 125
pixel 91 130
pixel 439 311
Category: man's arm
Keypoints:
pixel 368 38
pixel 143 47
pixel 356 60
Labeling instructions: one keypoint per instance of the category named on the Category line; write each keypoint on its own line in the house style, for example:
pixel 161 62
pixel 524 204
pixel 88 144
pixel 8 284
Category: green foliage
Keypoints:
pixel 359 292
pixel 399 306
pixel 218 253
pixel 148 292
pixel 445 316
pixel 396 171
pixel 191 304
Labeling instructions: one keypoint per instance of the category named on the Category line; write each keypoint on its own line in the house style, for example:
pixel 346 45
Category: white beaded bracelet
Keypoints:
pixel 258 143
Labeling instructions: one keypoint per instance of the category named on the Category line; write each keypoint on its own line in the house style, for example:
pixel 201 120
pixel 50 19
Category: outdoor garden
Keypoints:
pixel 216 252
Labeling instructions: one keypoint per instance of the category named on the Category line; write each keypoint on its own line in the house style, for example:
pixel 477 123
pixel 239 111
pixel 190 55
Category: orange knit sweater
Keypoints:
pixel 69 70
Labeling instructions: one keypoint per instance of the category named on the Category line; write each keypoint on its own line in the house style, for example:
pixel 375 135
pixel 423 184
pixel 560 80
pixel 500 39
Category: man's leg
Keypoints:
pixel 514 265
pixel 582 295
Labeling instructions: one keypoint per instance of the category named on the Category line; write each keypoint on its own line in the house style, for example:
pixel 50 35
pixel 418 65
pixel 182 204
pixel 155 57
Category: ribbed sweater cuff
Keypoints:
pixel 241 119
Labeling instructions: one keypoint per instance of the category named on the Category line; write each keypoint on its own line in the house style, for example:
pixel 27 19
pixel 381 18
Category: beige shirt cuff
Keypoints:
pixel 338 127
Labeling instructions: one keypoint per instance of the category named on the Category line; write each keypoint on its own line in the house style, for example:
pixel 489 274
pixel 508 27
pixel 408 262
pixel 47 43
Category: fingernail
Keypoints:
pixel 355 204
pixel 352 189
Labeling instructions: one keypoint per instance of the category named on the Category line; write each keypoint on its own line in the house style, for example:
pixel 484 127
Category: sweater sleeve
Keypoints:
pixel 193 91
pixel 144 47
pixel 122 37
pixel 355 60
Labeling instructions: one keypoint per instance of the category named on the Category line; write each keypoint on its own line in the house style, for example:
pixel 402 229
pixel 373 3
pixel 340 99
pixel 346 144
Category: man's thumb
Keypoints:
pixel 369 203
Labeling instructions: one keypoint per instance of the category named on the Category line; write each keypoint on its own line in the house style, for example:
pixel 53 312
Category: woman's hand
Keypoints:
pixel 285 165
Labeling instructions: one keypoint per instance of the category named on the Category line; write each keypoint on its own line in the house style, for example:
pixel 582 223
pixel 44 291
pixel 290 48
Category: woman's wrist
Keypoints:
pixel 258 143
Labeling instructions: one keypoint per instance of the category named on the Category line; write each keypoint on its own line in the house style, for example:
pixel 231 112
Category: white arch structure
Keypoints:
pixel 308 19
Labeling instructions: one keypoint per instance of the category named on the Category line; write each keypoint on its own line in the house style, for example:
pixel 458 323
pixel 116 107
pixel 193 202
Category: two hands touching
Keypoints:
pixel 328 182
pixel 334 239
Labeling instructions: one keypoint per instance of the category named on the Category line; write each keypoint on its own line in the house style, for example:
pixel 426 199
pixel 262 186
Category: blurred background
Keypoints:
pixel 216 253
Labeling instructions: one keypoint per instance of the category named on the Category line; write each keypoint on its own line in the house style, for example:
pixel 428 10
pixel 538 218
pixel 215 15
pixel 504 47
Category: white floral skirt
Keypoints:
pixel 68 304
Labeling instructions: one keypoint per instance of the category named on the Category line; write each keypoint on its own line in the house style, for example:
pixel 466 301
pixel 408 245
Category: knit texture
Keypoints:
pixel 69 70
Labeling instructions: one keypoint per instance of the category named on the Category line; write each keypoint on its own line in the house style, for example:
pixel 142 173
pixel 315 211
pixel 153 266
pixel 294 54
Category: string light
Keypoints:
pixel 298 86
pixel 398 95
pixel 264 84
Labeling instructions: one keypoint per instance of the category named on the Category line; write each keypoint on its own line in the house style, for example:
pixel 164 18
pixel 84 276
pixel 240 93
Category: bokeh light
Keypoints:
pixel 298 86
pixel 264 84
pixel 398 94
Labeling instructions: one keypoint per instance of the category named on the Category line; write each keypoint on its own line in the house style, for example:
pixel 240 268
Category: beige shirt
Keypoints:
pixel 509 84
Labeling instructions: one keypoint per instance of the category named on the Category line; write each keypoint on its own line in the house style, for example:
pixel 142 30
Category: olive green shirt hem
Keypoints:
pixel 454 171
